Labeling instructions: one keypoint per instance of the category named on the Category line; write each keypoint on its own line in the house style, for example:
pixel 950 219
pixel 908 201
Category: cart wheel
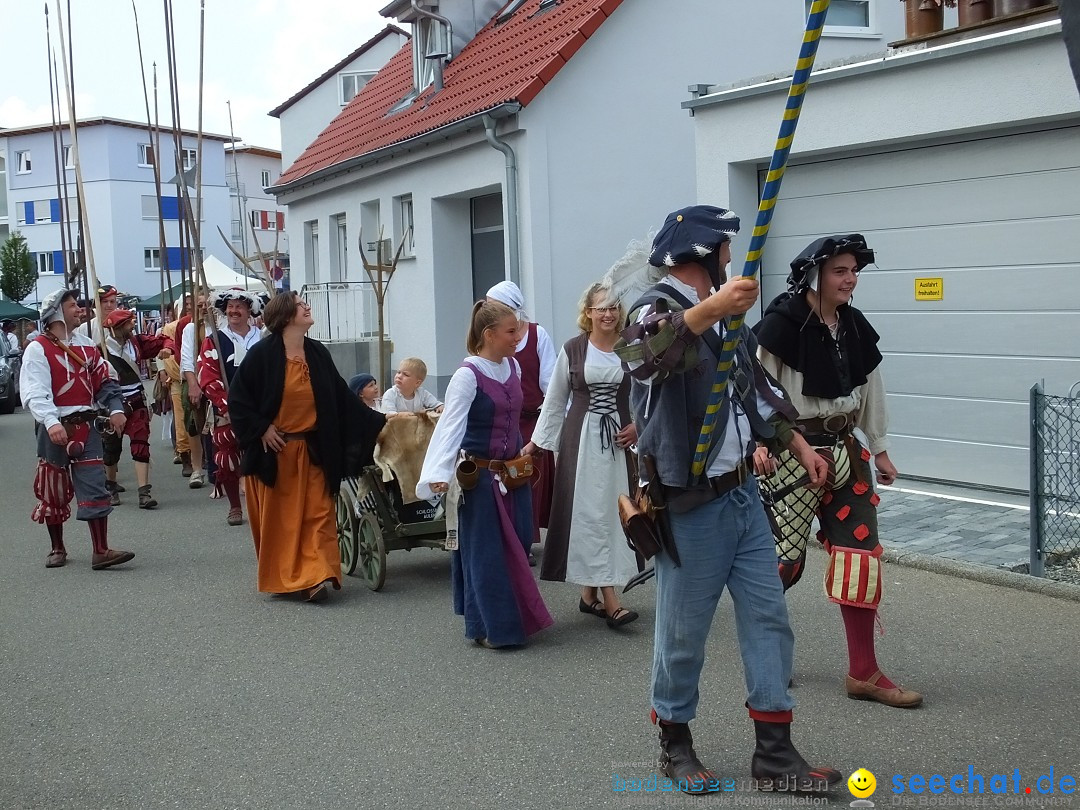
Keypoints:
pixel 371 551
pixel 346 532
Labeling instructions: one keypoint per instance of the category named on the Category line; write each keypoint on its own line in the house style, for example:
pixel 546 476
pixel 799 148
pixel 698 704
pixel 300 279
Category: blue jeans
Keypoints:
pixel 725 542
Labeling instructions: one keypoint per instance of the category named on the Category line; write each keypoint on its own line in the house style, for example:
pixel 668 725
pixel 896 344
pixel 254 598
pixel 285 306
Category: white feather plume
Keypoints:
pixel 632 275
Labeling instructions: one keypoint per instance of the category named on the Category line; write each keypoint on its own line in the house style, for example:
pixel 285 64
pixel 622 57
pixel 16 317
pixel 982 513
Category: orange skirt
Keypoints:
pixel 294 525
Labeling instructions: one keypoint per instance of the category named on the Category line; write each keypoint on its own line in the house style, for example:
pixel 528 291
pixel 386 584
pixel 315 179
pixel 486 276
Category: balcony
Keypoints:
pixel 925 19
pixel 344 312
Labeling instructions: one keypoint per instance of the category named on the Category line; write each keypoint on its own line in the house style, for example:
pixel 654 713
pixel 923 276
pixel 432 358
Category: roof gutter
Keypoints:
pixel 506 110
pixel 513 236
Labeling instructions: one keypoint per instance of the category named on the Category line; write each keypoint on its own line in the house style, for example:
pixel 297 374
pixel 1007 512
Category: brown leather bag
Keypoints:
pixel 514 472
pixel 639 524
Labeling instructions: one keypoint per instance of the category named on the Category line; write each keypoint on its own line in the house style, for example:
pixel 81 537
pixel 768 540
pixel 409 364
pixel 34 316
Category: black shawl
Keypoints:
pixel 795 334
pixel 346 429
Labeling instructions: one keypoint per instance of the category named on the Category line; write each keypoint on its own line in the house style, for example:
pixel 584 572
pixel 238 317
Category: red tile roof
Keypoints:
pixel 508 62
pixel 299 94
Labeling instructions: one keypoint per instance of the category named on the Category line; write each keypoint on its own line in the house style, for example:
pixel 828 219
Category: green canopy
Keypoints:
pixel 154 303
pixel 9 310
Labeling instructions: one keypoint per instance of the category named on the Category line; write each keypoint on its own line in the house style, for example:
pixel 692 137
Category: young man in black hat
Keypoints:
pixel 824 352
pixel 721 534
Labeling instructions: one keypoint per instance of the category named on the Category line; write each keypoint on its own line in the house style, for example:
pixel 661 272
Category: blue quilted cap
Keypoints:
pixel 692 234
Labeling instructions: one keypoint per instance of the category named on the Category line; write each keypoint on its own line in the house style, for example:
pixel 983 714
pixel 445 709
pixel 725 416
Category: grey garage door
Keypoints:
pixel 997 220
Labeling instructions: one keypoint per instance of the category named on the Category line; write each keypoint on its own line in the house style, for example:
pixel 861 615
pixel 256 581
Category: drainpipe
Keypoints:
pixel 511 198
pixel 440 59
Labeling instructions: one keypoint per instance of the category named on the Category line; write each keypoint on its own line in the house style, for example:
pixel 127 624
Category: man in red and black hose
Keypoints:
pixel 63 381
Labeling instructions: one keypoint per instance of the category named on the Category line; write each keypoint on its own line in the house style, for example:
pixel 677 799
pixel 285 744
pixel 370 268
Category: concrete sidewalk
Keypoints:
pixel 961 531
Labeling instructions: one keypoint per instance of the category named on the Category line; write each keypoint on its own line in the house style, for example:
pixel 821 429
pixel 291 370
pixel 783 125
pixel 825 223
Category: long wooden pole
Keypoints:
pixel 162 244
pixel 58 155
pixel 767 207
pixel 80 188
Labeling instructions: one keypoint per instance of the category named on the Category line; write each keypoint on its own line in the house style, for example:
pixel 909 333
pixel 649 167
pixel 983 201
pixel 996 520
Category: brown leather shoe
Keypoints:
pixel 56 559
pixel 868 690
pixel 236 517
pixel 110 558
pixel 317 593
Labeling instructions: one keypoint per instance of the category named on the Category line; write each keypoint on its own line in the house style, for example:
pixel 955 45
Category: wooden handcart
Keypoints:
pixel 371 521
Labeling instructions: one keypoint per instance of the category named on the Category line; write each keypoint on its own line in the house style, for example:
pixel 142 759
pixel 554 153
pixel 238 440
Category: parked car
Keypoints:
pixel 9 381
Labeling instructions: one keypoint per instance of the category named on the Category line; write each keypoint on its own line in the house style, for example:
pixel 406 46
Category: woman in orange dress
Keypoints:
pixel 300 431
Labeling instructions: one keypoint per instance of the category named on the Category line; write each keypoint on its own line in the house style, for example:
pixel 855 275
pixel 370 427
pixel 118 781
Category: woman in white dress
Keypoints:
pixel 585 543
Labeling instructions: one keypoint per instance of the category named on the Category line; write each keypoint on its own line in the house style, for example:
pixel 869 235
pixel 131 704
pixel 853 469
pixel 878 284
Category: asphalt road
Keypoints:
pixel 170 682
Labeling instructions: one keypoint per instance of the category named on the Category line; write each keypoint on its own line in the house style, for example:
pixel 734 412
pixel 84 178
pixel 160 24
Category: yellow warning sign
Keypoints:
pixel 929 289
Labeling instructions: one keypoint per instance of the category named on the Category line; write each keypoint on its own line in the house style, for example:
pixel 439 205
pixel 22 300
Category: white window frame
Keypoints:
pixel 144 150
pixel 312 229
pixel 869 31
pixel 68 156
pixel 264 179
pixel 404 222
pixel 44 261
pixel 186 153
pixel 152 259
pixel 352 76
pixel 425 32
pixel 23 162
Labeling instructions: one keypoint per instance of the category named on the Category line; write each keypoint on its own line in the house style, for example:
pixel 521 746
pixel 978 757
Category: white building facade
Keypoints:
pixel 308 111
pixel 258 222
pixel 116 159
pixel 599 157
pixel 960 163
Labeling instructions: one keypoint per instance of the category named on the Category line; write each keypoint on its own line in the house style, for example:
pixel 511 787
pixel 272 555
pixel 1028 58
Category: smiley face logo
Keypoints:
pixel 862 784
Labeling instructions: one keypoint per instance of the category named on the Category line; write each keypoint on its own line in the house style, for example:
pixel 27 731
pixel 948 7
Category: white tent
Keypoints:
pixel 218 274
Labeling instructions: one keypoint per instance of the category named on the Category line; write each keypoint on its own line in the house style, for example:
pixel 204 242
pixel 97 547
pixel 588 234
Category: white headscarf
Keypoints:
pixel 510 294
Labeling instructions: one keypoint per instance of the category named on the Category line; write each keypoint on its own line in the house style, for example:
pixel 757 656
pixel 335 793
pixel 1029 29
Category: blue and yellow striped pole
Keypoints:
pixel 767 206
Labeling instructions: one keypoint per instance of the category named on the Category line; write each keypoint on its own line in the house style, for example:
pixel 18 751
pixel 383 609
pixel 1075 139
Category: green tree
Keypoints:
pixel 18 276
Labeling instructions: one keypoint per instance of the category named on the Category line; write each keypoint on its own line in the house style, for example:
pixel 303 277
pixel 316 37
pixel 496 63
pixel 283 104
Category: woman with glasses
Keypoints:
pixel 300 431
pixel 824 353
pixel 585 543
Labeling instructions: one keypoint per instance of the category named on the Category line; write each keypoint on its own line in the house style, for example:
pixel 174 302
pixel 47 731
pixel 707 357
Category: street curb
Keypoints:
pixel 984 573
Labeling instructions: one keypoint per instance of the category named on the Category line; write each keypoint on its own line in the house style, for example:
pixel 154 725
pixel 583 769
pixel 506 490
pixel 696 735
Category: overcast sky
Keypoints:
pixel 257 55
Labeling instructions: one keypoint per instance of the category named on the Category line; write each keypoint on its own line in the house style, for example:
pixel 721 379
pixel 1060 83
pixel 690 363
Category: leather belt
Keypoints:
pixel 682 500
pixel 78 418
pixel 297 437
pixel 493 464
pixel 825 432
pixel 723 484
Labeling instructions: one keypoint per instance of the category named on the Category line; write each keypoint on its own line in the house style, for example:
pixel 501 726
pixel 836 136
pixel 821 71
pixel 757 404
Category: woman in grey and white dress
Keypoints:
pixel 585 543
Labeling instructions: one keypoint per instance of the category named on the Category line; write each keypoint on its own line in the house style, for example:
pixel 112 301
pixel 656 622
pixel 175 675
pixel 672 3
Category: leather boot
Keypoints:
pixel 778 766
pixel 185 459
pixel 146 500
pixel 679 762
pixel 114 492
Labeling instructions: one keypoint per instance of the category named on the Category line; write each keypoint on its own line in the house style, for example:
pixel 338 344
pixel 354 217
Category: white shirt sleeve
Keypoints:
pixel 35 386
pixel 440 462
pixel 553 412
pixel 428 400
pixel 546 350
pixel 187 349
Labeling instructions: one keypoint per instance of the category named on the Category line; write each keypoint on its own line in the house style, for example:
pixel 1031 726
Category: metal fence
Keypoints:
pixel 1055 479
pixel 344 311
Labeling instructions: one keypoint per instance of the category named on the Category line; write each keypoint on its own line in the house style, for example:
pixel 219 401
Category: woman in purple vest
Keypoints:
pixel 493 587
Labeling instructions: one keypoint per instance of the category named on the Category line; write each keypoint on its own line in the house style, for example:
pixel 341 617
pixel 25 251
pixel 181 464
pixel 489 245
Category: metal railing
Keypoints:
pixel 344 311
pixel 1055 480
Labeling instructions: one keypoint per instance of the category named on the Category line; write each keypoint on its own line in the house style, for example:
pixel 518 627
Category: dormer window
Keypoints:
pixel 430 45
